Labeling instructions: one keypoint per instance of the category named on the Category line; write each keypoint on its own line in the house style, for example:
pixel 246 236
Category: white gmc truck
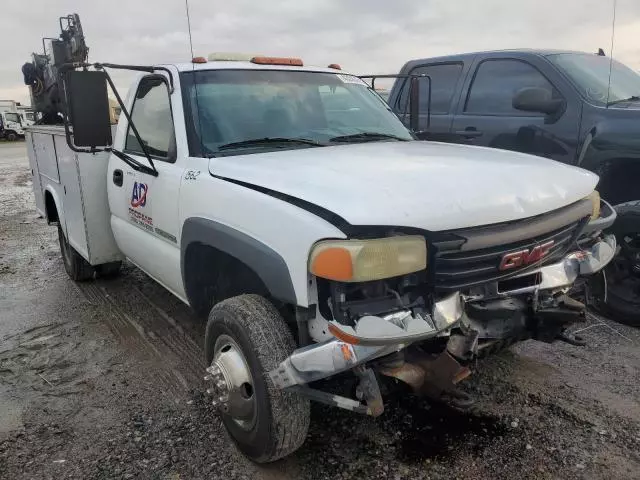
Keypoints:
pixel 291 206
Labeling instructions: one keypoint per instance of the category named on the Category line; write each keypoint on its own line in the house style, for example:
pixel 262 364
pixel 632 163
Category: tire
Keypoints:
pixel 281 419
pixel 622 276
pixel 12 137
pixel 76 267
pixel 108 270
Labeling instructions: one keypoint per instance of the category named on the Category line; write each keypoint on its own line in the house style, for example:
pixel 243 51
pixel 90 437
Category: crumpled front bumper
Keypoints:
pixel 375 336
pixel 581 262
pixel 404 326
pixel 563 273
pixel 371 338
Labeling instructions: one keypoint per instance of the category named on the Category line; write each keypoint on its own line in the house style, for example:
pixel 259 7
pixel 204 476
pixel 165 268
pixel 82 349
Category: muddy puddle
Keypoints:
pixel 436 432
pixel 140 324
pixel 411 431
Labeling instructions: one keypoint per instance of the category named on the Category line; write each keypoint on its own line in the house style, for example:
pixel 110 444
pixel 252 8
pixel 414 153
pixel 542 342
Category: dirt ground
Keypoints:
pixel 103 380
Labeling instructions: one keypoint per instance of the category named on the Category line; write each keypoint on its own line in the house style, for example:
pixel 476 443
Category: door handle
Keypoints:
pixel 118 177
pixel 469 132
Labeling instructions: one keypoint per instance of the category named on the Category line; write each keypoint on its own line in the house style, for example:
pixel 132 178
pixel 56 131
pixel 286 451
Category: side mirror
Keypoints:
pixel 536 99
pixel 88 108
pixel 414 104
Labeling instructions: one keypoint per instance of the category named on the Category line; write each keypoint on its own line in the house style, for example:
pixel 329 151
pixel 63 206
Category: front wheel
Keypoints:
pixel 76 267
pixel 621 278
pixel 246 338
pixel 12 137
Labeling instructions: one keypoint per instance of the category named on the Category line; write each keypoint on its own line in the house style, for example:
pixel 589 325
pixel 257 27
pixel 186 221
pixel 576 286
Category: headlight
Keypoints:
pixel 365 260
pixel 595 204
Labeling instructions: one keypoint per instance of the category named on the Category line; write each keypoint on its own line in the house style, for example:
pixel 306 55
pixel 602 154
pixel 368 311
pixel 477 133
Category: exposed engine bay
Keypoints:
pixel 427 333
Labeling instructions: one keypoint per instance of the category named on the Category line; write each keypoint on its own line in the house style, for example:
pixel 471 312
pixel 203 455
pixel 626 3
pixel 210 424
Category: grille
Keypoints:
pixel 456 270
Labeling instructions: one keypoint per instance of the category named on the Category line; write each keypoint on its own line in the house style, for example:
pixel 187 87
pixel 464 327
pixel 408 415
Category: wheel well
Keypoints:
pixel 50 208
pixel 619 180
pixel 212 275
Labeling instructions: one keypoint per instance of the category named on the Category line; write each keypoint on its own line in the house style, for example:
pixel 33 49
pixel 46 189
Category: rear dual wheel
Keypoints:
pixel 78 268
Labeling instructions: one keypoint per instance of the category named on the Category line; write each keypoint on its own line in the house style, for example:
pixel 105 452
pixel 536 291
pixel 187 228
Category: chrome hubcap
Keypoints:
pixel 231 384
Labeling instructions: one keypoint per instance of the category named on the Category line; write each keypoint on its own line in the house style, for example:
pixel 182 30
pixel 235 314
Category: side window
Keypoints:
pixel 497 81
pixel 152 116
pixel 444 78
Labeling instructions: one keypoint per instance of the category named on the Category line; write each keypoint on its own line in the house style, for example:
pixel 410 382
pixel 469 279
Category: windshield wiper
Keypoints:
pixel 133 163
pixel 257 142
pixel 633 98
pixel 367 137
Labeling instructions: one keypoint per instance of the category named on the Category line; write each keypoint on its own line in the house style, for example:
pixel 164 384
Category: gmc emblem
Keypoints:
pixel 525 257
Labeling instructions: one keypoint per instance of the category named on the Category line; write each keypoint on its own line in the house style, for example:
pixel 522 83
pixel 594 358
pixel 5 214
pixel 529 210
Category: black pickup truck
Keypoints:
pixel 574 107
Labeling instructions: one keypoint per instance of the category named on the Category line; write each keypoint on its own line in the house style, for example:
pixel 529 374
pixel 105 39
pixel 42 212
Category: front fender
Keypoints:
pixel 268 264
pixel 608 141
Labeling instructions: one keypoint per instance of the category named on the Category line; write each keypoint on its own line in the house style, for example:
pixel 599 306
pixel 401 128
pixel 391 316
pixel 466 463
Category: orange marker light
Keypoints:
pixel 347 354
pixel 198 60
pixel 335 66
pixel 334 264
pixel 340 335
pixel 294 62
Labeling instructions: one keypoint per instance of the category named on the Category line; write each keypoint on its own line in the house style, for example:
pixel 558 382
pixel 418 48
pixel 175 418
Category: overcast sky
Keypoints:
pixel 364 36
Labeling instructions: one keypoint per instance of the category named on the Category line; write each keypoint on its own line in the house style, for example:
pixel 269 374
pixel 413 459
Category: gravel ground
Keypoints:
pixel 103 380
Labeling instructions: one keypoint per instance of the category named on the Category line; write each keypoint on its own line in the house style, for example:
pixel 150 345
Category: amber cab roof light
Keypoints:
pixel 335 66
pixel 230 57
pixel 198 60
pixel 294 62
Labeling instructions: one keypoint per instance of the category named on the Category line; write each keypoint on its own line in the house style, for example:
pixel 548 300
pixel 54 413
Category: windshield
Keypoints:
pixel 12 117
pixel 590 73
pixel 242 105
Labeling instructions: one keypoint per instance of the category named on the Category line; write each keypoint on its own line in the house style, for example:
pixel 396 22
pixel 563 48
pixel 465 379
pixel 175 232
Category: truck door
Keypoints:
pixel 445 78
pixel 486 115
pixel 144 208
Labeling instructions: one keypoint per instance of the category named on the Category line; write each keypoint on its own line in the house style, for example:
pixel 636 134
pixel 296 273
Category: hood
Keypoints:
pixel 428 185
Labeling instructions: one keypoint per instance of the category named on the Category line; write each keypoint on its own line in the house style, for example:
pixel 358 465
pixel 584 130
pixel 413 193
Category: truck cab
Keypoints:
pixel 578 108
pixel 12 127
pixel 27 118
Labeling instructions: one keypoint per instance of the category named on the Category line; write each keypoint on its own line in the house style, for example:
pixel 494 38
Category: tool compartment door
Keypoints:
pixel 101 244
pixel 35 175
pixel 74 214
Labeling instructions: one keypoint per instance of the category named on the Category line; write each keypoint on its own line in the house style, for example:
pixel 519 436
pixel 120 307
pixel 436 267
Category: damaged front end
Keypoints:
pixel 485 289
pixel 530 305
